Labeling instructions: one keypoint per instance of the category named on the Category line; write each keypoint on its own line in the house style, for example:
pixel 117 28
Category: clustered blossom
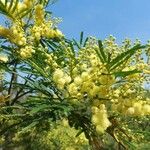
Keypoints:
pixel 100 118
pixel 3 58
pixel 61 78
pixel 133 107
pixel 26 52
pixel 86 80
pixel 81 76
pixel 15 34
pixel 24 5
pixel 27 29
pixel 4 32
pixel 42 27
pixel 18 34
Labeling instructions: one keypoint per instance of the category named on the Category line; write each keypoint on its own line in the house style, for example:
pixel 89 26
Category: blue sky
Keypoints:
pixel 100 18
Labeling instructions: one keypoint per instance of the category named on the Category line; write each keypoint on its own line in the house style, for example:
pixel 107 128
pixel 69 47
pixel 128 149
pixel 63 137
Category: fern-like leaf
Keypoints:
pixel 10 9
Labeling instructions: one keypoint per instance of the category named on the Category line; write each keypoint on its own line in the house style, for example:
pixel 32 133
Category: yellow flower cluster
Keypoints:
pixel 21 6
pixel 29 29
pixel 112 47
pixel 39 14
pixel 15 34
pixel 18 35
pixel 45 30
pixel 28 3
pixel 51 62
pixel 133 108
pixel 26 52
pixel 6 33
pixel 92 83
pixel 84 84
pixel 88 78
pixel 43 27
pixel 80 139
pixel 50 58
pixel 61 78
pixel 3 58
pixel 138 109
pixel 100 118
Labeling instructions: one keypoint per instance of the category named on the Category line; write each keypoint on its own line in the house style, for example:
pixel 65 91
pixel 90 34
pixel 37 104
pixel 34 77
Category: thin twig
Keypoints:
pixel 11 81
pixel 21 89
pixel 19 96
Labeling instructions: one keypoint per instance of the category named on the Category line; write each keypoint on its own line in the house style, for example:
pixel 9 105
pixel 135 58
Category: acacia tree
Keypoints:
pixel 97 86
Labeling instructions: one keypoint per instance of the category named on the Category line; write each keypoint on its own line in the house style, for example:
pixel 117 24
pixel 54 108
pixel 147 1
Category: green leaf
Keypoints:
pixel 37 109
pixel 30 126
pixel 101 50
pixel 81 38
pixel 24 13
pixel 8 8
pixel 85 42
pixel 6 2
pixel 100 57
pixel 72 48
pixel 76 44
pixel 40 70
pixel 109 58
pixel 46 2
pixel 14 115
pixel 51 44
pixel 6 47
pixel 124 56
pixel 10 5
pixel 13 107
pixel 125 73
pixel 80 132
pixel 131 145
pixel 15 6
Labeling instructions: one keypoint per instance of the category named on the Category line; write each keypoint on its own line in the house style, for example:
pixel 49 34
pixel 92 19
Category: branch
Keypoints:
pixel 13 78
pixel 21 89
pixel 19 96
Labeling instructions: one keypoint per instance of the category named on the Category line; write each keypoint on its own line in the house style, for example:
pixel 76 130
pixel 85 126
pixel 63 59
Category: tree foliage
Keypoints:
pixel 97 86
